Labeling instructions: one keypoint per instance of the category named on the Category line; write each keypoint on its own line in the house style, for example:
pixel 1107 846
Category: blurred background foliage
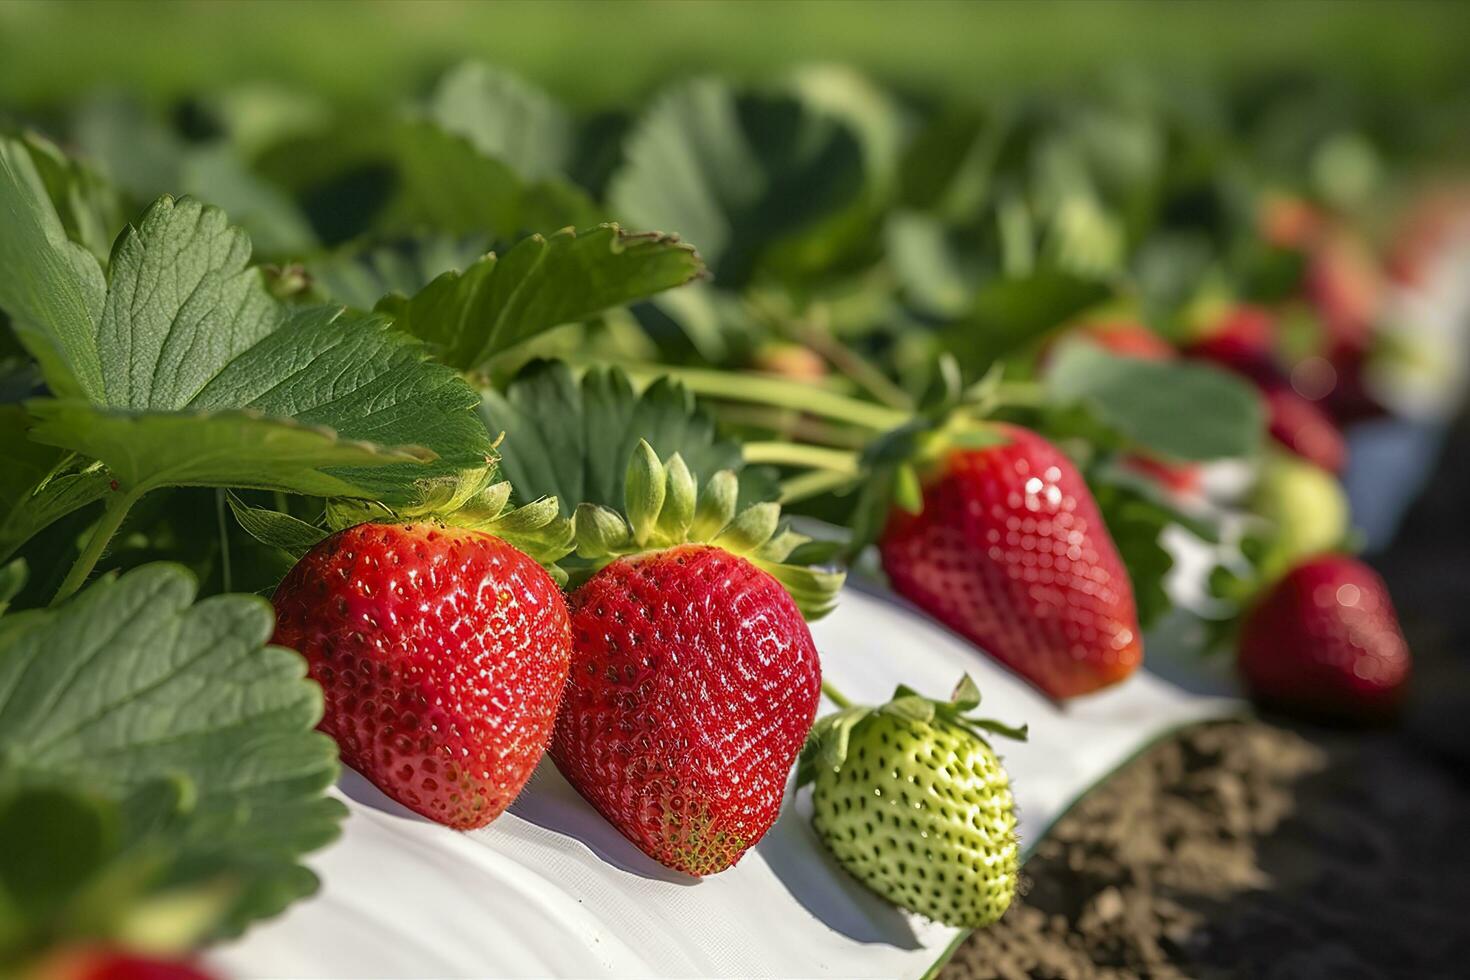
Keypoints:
pixel 597 52
pixel 874 187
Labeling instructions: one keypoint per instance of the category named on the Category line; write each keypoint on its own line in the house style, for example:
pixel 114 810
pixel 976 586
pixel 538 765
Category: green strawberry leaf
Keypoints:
pixel 147 158
pixel 572 439
pixel 90 207
pixel 361 276
pixel 13 578
pixel 96 869
pixel 1136 522
pixel 40 483
pixel 1181 410
pixel 450 185
pixel 1010 313
pixel 506 119
pixel 540 283
pixel 242 448
pixel 133 682
pixel 734 174
pixel 52 287
pixel 190 372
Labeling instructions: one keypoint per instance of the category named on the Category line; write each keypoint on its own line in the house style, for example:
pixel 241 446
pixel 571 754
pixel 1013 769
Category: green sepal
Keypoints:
pixel 663 511
pixel 750 529
pixel 680 496
pixel 276 529
pixel 826 743
pixel 471 499
pixel 908 493
pixel 646 488
pixel 600 531
pixel 716 506
pixel 893 463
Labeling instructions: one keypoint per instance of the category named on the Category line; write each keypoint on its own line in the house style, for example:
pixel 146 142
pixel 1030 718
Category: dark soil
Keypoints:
pixel 1275 850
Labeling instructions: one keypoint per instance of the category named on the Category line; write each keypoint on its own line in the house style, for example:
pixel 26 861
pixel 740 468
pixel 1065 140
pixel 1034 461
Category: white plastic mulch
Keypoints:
pixel 550 889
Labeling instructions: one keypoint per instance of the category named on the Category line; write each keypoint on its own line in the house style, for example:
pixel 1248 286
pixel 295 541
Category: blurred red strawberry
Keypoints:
pixel 1344 285
pixel 1304 428
pixel 1183 478
pixel 1127 338
pixel 1325 641
pixel 1288 221
pixel 1422 230
pixel 1243 340
pixel 103 963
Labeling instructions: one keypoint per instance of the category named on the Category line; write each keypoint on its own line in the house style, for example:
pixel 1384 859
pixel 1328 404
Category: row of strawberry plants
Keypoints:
pixel 992 347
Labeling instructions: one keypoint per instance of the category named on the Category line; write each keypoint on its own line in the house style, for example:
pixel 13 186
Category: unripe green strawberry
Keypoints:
pixel 915 804
pixel 1306 507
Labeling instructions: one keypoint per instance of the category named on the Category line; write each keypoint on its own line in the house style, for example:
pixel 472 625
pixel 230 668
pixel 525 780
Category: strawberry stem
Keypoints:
pixel 835 696
pixel 818 337
pixel 814 483
pixel 798 454
pixel 788 424
pixel 112 518
pixel 777 393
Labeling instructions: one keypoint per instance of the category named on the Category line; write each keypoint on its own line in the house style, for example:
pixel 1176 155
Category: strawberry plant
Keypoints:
pixel 503 405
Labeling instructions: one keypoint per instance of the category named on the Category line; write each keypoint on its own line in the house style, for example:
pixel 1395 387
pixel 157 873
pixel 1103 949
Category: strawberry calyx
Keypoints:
pixel 663 509
pixel 826 744
pixel 473 500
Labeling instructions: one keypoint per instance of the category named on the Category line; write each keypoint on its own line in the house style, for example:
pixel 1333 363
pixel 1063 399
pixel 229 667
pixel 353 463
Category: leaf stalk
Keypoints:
pixel 102 535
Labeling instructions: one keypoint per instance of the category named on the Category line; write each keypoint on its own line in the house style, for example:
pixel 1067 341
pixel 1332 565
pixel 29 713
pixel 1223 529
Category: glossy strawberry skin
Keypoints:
pixel 693 685
pixel 1011 552
pixel 1325 641
pixel 442 653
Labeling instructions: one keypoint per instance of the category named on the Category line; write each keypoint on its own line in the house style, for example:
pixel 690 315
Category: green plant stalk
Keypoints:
pixel 813 484
pixel 221 524
pixel 777 393
pixel 798 454
pixel 859 369
pixel 835 696
pixel 788 424
pixel 102 535
pixel 815 334
pixel 1011 394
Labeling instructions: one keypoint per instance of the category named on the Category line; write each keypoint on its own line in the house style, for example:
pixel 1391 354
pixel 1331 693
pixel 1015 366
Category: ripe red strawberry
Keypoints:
pixel 1243 340
pixel 1344 284
pixel 441 651
pixel 1291 222
pixel 1128 339
pixel 1183 478
pixel 1011 551
pixel 1325 640
pixel 104 963
pixel 1304 428
pixel 694 678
